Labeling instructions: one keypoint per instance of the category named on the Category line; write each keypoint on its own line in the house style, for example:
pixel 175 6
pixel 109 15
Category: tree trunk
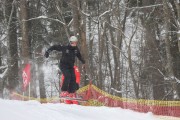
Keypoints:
pixel 24 30
pixel 100 56
pixel 170 70
pixel 109 61
pixel 178 20
pixel 80 29
pixel 36 38
pixel 41 81
pixel 10 12
pixel 25 42
pixel 153 62
pixel 135 83
pixel 91 42
pixel 116 47
pixel 177 3
pixel 1 81
pixel 84 47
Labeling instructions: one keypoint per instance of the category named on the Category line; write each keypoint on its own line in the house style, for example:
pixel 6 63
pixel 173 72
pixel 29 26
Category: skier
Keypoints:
pixel 69 52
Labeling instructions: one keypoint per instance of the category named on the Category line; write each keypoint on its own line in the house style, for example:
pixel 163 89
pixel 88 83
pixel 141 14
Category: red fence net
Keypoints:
pixel 98 97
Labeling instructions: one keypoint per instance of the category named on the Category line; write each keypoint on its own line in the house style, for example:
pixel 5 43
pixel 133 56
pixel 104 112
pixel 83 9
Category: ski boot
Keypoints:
pixel 73 96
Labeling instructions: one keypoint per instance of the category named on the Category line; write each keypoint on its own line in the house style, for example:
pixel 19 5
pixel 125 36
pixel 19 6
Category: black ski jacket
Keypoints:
pixel 68 55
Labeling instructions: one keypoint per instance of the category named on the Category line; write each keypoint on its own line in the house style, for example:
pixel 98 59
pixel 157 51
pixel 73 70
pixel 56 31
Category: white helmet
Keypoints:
pixel 73 39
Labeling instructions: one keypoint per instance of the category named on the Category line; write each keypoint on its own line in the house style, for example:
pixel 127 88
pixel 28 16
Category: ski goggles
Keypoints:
pixel 72 43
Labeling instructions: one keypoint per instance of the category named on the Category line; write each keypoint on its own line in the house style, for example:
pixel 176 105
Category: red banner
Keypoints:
pixel 26 75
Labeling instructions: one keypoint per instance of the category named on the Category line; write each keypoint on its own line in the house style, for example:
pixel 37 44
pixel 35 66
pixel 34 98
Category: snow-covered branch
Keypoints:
pixel 177 80
pixel 5 71
pixel 117 91
pixel 44 17
pixel 3 67
pixel 104 13
pixel 88 15
pixel 166 78
pixel 150 6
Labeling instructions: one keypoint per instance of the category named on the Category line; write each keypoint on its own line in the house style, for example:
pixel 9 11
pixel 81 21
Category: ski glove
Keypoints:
pixel 46 54
pixel 77 86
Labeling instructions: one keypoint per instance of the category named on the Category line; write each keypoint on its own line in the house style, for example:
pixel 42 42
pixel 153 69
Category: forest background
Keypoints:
pixel 131 47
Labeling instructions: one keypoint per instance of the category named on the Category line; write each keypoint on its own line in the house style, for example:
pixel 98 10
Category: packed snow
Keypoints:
pixel 33 110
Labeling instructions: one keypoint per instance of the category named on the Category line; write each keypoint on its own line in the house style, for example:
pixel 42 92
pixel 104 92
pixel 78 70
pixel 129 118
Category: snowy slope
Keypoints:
pixel 33 110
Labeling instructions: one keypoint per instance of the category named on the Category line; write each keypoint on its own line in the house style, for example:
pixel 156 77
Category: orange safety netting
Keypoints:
pixel 98 97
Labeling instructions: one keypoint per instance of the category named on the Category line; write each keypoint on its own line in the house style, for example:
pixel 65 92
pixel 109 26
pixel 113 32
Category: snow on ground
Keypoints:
pixel 33 110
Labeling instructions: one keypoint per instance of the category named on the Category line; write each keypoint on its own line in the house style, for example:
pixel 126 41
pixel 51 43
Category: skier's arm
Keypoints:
pixel 80 57
pixel 54 47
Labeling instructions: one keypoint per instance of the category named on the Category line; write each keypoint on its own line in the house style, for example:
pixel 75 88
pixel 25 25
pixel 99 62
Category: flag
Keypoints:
pixel 26 75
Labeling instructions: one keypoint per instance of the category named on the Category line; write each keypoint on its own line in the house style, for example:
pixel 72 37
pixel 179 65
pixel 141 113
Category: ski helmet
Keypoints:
pixel 73 39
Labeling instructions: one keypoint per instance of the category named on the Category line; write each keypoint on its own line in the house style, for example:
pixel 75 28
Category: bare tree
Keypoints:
pixel 24 30
pixel 36 49
pixel 170 70
pixel 79 27
pixel 10 12
pixel 178 21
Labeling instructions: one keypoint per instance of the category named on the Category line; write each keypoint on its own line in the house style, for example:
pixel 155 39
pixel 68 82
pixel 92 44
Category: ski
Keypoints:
pixel 69 98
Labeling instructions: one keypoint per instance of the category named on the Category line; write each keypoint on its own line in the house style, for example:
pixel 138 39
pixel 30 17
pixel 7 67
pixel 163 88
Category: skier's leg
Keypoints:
pixel 73 87
pixel 67 77
pixel 72 83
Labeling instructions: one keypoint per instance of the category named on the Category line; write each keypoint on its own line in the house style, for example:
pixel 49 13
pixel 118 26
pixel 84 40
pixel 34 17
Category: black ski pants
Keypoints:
pixel 69 83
